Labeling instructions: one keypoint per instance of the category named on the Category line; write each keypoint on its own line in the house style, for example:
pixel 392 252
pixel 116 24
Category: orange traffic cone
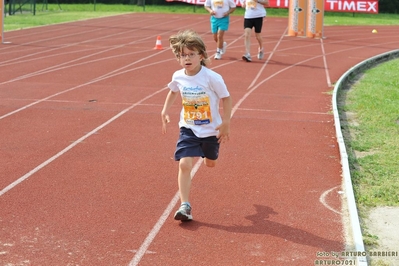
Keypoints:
pixel 158 44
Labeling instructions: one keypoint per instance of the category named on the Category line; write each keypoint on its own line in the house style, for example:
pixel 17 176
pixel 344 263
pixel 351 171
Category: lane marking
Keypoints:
pixel 323 201
pixel 71 89
pixel 268 59
pixel 158 225
pixel 45 163
pixel 325 63
pixel 73 144
pixel 282 111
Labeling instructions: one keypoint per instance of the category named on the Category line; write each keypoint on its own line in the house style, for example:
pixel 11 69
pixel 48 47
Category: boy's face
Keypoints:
pixel 190 60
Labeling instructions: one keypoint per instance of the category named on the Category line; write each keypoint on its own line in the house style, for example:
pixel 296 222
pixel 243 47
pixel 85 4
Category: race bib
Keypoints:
pixel 197 110
pixel 218 3
pixel 251 4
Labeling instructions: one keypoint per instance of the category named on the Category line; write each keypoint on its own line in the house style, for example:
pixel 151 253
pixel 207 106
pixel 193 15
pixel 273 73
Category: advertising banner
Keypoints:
pixel 354 6
pixel 272 3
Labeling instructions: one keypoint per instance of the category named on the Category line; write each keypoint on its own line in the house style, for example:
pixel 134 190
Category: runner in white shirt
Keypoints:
pixel 253 18
pixel 220 11
pixel 202 128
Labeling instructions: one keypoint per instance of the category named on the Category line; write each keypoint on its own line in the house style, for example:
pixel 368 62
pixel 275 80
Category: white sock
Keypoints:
pixel 187 203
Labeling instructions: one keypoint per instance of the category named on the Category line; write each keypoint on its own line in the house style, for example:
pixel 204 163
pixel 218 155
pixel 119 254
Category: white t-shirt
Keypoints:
pixel 220 6
pixel 253 9
pixel 200 95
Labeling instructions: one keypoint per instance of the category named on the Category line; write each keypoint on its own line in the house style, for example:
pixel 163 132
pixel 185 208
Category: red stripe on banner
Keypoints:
pixel 355 6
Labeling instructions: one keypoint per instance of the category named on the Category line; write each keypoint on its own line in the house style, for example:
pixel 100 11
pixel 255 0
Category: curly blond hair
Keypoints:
pixel 192 41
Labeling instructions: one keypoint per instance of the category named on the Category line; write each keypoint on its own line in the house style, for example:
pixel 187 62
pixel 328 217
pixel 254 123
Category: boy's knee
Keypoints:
pixel 185 165
pixel 209 163
pixel 247 32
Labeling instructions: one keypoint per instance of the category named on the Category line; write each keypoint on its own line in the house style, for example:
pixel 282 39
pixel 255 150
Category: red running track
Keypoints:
pixel 87 178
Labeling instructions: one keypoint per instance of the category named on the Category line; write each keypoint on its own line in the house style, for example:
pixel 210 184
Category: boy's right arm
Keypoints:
pixel 170 99
pixel 209 9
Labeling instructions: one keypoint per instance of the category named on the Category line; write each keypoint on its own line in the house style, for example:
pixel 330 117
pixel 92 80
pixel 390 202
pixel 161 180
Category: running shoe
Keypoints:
pixel 260 54
pixel 184 213
pixel 247 58
pixel 224 48
pixel 218 56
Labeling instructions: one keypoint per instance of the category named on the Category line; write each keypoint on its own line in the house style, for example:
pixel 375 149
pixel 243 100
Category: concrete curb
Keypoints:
pixel 345 79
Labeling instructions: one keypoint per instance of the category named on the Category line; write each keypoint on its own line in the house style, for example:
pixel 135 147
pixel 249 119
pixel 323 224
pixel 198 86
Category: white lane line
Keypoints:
pixel 73 88
pixel 58 67
pixel 283 111
pixel 325 63
pixel 158 225
pixel 323 201
pixel 48 161
pixel 268 59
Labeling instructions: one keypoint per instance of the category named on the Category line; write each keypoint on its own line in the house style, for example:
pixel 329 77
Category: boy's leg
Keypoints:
pixel 247 40
pixel 184 178
pixel 215 37
pixel 220 39
pixel 210 148
pixel 258 32
pixel 219 49
pixel 260 50
pixel 223 27
pixel 214 29
pixel 215 32
pixel 247 43
pixel 209 162
pixel 259 39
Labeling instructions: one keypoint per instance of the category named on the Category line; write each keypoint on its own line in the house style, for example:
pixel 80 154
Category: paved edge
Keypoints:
pixel 351 203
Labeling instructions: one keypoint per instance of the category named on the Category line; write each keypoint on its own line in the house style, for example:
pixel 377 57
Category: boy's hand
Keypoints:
pixel 165 121
pixel 224 132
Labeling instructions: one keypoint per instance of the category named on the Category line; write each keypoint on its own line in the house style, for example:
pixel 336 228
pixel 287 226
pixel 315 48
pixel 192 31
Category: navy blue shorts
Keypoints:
pixel 189 145
pixel 256 23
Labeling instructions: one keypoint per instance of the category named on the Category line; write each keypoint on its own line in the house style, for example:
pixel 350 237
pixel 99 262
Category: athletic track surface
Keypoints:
pixel 87 178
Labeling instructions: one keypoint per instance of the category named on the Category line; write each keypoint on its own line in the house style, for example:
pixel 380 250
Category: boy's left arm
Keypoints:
pixel 224 127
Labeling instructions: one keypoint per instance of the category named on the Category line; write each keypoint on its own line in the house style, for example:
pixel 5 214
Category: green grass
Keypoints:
pixel 18 22
pixel 358 19
pixel 51 14
pixel 371 129
pixel 375 102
